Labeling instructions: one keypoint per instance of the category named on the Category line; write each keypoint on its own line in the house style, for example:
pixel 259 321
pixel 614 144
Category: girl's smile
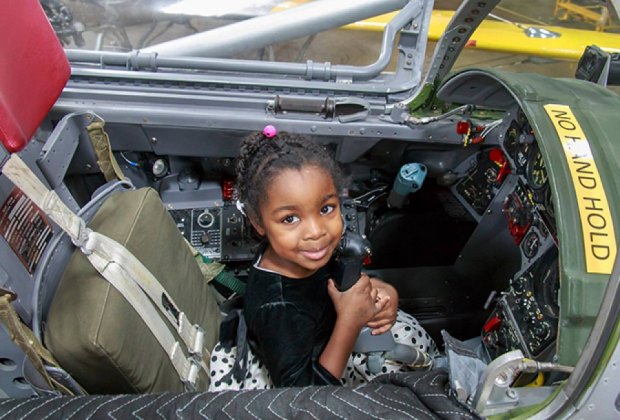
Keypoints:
pixel 300 217
pixel 316 255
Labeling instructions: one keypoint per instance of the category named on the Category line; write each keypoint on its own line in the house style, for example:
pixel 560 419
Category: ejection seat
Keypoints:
pixel 87 319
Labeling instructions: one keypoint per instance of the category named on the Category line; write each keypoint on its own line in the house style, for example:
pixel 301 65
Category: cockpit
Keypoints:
pixel 487 196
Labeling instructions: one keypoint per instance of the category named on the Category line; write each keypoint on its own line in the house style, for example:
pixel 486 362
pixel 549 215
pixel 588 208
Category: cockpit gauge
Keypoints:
pixel 536 171
pixel 530 244
pixel 528 309
pixel 546 290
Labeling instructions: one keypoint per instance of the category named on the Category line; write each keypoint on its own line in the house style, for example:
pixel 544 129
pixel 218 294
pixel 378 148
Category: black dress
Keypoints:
pixel 289 324
pixel 284 326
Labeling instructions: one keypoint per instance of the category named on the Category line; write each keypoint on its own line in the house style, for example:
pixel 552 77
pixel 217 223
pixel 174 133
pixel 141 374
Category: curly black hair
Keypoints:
pixel 261 159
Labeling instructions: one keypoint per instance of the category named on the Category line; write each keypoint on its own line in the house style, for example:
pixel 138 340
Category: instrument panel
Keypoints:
pixel 218 232
pixel 223 234
pixel 479 187
pixel 525 314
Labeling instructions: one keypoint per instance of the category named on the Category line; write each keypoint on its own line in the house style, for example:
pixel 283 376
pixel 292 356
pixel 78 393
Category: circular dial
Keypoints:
pixel 547 289
pixel 520 285
pixel 530 244
pixel 541 330
pixel 536 171
pixel 205 219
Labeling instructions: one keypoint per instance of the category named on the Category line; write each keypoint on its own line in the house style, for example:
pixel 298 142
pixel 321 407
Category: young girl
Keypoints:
pixel 299 324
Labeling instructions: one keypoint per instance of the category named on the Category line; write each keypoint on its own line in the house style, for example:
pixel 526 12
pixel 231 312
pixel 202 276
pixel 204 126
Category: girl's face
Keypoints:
pixel 300 217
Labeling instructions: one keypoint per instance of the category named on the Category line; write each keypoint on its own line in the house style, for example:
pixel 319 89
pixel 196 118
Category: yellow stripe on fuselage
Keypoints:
pixel 506 37
pixel 499 36
pixel 596 223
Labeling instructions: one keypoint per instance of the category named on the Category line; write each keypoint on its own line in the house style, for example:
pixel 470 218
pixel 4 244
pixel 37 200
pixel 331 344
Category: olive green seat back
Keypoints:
pixel 94 332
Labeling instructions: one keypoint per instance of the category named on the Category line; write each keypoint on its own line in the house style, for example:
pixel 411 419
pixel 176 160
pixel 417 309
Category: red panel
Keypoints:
pixel 33 70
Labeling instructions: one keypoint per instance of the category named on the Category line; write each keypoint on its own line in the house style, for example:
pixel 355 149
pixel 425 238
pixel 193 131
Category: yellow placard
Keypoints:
pixel 596 223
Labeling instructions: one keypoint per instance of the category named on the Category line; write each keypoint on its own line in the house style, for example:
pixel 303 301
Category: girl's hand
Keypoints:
pixel 387 297
pixel 357 306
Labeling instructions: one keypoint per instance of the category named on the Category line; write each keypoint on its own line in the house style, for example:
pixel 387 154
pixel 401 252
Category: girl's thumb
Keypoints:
pixel 331 287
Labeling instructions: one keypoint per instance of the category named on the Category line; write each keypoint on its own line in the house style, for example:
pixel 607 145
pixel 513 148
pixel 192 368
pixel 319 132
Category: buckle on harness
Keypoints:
pixel 193 335
pixel 191 376
pixel 187 368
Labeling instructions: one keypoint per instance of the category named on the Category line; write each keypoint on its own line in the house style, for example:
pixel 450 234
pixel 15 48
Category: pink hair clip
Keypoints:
pixel 270 131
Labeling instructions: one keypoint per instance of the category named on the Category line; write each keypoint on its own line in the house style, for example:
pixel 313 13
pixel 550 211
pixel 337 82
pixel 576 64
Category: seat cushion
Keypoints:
pixel 93 331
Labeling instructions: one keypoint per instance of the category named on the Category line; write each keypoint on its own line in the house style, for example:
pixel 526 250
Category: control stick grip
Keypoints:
pixel 352 252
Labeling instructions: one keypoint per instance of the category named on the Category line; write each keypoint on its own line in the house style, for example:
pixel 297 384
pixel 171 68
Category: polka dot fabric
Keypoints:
pixel 407 331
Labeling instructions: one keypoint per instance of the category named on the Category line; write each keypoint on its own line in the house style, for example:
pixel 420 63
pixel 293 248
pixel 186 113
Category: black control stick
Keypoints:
pixel 352 251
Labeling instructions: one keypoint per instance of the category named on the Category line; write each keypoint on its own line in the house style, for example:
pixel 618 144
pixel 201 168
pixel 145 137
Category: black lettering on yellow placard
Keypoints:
pixel 596 223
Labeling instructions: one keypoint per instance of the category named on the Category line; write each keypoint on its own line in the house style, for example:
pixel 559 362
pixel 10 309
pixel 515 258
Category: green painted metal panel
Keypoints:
pixel 597 111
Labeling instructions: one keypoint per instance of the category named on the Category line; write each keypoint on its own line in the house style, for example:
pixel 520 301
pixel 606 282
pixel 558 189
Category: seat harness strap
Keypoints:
pixel 23 337
pixel 125 272
pixel 105 159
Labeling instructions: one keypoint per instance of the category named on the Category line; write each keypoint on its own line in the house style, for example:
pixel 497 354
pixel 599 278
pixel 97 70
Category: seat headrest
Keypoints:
pixel 33 71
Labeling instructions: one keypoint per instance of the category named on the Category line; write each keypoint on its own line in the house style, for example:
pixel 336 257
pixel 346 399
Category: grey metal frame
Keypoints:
pixel 410 23
pixel 262 31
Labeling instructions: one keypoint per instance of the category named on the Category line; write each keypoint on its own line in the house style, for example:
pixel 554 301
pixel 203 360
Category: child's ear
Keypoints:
pixel 256 224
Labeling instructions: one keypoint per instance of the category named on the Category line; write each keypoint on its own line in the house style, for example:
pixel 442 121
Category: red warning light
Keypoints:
pixel 228 190
pixel 463 127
